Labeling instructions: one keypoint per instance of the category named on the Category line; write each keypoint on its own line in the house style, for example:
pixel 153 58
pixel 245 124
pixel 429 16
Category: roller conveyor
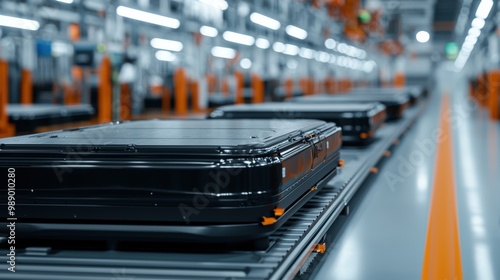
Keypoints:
pixel 290 248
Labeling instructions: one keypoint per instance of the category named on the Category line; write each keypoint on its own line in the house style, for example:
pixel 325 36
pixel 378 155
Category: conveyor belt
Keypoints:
pixel 290 246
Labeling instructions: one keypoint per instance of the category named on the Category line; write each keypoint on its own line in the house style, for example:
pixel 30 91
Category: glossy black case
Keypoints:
pixel 359 121
pixel 230 180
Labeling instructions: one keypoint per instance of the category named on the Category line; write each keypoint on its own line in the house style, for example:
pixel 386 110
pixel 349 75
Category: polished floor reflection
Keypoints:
pixel 384 237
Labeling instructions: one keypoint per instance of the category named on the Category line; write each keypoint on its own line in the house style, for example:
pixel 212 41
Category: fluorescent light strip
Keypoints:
pixel 478 23
pixel 164 44
pixel 291 50
pixel 238 38
pixel 165 56
pixel 262 43
pixel 474 32
pixel 208 31
pixel 20 23
pixel 484 8
pixel 246 63
pixel 306 53
pixel 279 47
pixel 296 32
pixel 147 17
pixel 265 21
pixel 65 1
pixel 223 52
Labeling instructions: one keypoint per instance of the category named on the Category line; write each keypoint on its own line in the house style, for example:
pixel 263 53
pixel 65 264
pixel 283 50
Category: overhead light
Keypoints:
pixel 147 17
pixel 484 8
pixel 165 44
pixel 220 4
pixel 291 50
pixel 306 53
pixel 246 63
pixel 262 43
pixel 20 23
pixel 343 48
pixel 296 32
pixel 471 39
pixel 238 38
pixel 323 57
pixel 279 47
pixel 333 58
pixel 265 21
pixel 474 32
pixel 362 54
pixel 223 52
pixel 478 23
pixel 352 51
pixel 65 1
pixel 208 31
pixel 292 64
pixel 165 56
pixel 330 43
pixel 423 36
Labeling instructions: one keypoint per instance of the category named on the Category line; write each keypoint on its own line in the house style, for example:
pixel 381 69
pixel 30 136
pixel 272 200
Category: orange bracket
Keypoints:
pixel 374 170
pixel 387 153
pixel 341 163
pixel 268 221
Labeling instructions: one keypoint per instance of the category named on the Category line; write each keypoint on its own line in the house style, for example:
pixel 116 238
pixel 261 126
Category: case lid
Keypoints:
pixel 170 136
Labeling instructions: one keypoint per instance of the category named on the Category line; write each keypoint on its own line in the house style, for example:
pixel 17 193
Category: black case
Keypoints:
pixel 415 93
pixel 230 180
pixel 28 117
pixel 359 122
pixel 394 104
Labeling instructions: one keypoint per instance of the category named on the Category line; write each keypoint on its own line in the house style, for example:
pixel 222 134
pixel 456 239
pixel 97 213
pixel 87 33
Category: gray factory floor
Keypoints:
pixel 385 235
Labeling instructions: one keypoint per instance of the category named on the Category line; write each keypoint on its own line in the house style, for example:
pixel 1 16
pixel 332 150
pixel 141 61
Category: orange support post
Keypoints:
pixel 195 96
pixel 104 113
pixel 258 89
pixel 6 129
pixel 180 92
pixel 399 80
pixel 240 84
pixel 288 88
pixel 482 90
pixel 26 87
pixel 225 87
pixel 494 94
pixel 211 82
pixel 125 102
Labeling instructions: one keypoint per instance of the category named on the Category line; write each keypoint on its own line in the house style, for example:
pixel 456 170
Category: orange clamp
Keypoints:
pixel 374 170
pixel 314 189
pixel 341 163
pixel 396 142
pixel 268 221
pixel 279 211
pixel 320 248
pixel 387 153
pixel 363 135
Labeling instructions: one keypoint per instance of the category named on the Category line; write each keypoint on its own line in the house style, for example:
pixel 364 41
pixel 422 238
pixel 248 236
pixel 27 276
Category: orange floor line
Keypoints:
pixel 442 258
